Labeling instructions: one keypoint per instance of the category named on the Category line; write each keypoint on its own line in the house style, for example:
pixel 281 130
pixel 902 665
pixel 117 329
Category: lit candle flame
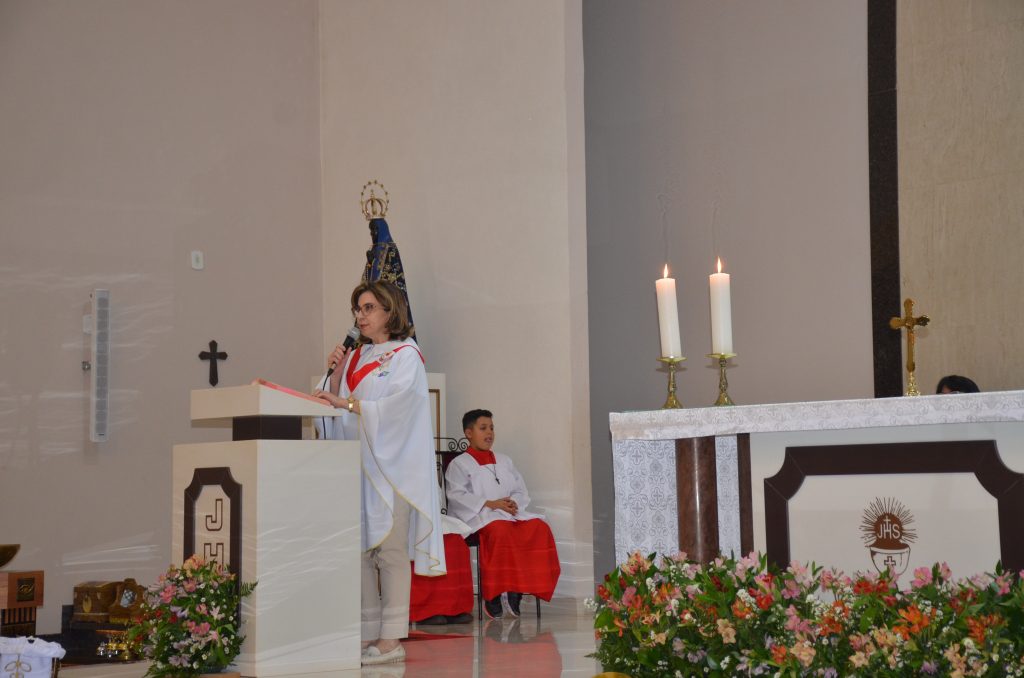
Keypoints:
pixel 719 264
pixel 665 274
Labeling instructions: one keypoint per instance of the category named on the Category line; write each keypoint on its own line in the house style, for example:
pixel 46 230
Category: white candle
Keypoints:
pixel 721 312
pixel 668 317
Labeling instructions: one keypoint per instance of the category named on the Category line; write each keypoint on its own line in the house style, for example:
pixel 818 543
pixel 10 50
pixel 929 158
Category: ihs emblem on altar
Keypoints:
pixel 886 535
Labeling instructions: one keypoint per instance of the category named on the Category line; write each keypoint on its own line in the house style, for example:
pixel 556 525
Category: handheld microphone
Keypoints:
pixel 350 340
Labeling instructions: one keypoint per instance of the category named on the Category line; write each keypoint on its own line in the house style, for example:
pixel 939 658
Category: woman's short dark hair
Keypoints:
pixel 469 418
pixel 392 300
pixel 957 384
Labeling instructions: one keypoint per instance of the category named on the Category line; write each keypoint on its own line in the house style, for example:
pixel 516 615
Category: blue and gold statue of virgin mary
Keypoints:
pixel 382 259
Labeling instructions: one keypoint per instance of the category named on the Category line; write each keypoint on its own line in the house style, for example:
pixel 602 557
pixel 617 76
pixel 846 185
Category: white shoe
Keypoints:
pixel 373 655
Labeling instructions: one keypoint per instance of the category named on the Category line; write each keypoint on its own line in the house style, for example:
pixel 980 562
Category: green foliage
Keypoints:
pixel 190 620
pixel 743 617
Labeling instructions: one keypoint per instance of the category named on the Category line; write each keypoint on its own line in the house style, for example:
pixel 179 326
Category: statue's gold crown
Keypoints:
pixel 373 207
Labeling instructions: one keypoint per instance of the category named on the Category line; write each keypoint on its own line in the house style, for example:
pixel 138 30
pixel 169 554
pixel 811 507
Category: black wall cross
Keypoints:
pixel 213 355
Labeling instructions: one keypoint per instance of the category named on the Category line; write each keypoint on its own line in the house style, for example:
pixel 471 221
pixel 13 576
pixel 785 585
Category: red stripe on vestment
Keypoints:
pixel 353 376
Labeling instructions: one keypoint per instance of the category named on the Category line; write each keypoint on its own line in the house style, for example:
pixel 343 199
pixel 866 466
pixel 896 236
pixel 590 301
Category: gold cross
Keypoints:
pixel 909 322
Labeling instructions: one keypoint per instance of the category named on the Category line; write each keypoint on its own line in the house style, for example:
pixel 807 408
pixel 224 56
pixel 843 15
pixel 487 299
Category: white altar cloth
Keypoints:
pixel 643 451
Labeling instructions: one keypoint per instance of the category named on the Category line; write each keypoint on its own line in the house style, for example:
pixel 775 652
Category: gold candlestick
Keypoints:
pixel 671 403
pixel 723 383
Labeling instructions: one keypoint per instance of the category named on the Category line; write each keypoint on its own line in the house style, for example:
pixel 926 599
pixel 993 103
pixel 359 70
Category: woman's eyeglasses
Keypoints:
pixel 365 309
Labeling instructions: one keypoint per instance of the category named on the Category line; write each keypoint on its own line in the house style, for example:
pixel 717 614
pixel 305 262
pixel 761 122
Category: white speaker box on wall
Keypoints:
pixel 99 375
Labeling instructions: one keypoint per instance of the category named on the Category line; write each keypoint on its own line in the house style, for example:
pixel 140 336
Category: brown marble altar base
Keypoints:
pixel 697 497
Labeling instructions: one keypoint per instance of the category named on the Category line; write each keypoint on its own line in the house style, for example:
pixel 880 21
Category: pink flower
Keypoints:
pixel 167 595
pixel 857 641
pixel 922 577
pixel 743 565
pixel 945 572
pixel 800 573
pixel 795 624
pixel 791 591
pixel 190 585
pixel 201 629
pixel 827 579
pixel 1003 583
pixel 981 580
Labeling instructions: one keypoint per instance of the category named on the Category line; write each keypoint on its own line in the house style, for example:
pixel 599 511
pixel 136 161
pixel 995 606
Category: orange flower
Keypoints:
pixel 978 626
pixel 741 611
pixel 779 654
pixel 916 621
pixel 829 625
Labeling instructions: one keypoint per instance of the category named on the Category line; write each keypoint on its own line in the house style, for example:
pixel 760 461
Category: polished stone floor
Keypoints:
pixel 555 645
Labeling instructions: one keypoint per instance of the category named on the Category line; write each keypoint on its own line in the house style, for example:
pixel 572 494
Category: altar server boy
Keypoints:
pixel 485 491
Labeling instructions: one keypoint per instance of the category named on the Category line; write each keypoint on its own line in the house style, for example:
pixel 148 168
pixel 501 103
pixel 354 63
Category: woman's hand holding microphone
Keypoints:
pixel 335 360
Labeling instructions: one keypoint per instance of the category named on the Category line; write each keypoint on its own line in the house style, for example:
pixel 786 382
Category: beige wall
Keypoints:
pixel 135 132
pixel 961 154
pixel 132 133
pixel 735 129
pixel 470 113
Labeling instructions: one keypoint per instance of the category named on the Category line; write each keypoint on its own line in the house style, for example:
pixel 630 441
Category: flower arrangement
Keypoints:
pixel 746 618
pixel 190 620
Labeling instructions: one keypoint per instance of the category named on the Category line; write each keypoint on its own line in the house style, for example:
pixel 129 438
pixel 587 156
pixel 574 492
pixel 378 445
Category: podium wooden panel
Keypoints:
pixel 285 513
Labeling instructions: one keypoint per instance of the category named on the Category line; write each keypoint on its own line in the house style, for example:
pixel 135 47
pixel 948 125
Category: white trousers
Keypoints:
pixel 386 615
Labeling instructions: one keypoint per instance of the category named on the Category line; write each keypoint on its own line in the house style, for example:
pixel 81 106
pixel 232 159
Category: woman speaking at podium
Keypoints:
pixel 380 390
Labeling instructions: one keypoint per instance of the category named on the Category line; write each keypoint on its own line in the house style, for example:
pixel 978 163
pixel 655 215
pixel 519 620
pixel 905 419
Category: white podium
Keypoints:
pixel 281 511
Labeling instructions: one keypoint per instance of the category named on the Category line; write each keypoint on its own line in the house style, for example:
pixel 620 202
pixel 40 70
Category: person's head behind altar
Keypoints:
pixel 478 427
pixel 381 312
pixel 954 383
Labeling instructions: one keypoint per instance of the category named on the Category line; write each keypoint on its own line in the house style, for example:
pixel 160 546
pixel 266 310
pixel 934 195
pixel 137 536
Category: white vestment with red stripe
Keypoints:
pixel 397 445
